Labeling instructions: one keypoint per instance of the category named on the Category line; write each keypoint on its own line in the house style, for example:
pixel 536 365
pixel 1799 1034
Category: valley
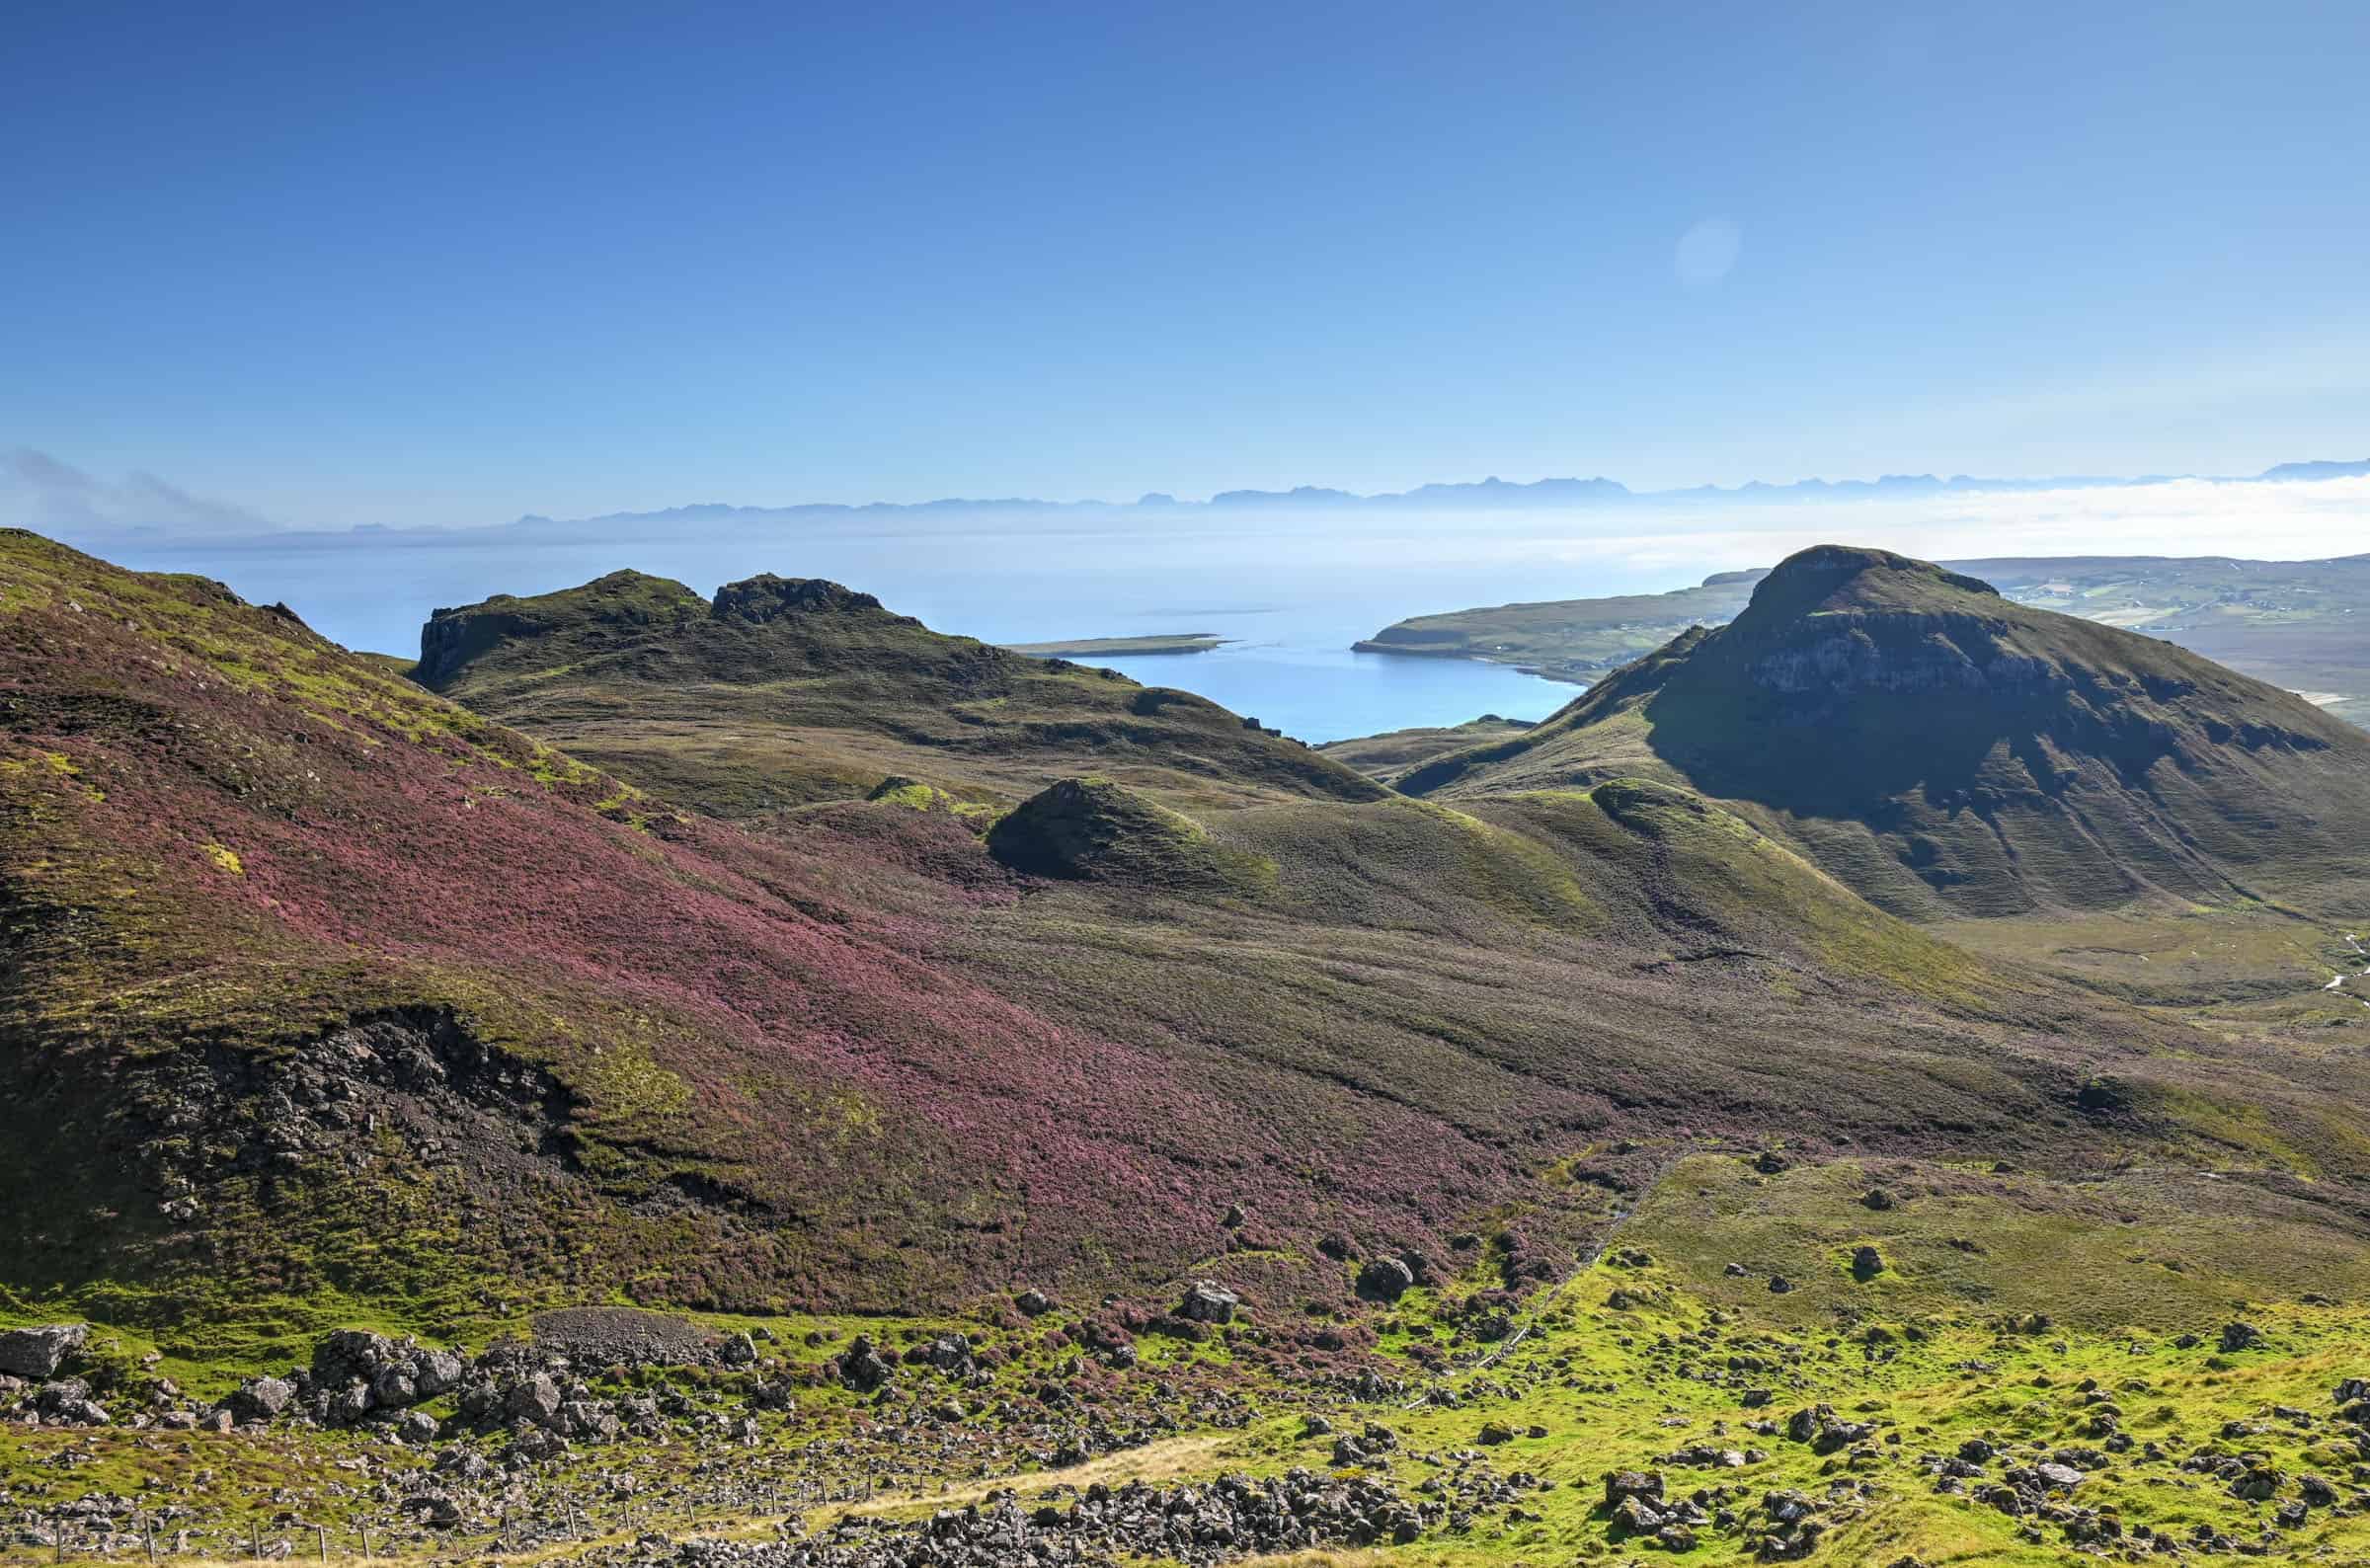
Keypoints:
pixel 743 1078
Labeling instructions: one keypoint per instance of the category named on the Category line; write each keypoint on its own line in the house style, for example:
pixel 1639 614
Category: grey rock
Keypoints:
pixel 1208 1303
pixel 437 1372
pixel 535 1400
pixel 262 1398
pixel 394 1389
pixel 40 1352
pixel 1384 1279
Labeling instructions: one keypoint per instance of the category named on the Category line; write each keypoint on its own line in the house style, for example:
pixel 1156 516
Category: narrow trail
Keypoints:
pixel 2338 980
pixel 1547 1298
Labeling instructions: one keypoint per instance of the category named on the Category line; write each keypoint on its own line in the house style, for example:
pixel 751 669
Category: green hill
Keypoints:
pixel 2292 623
pixel 787 691
pixel 1945 750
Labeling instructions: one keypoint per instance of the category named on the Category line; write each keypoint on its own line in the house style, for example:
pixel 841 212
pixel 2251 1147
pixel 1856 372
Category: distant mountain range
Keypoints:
pixel 1492 494
pixel 1489 495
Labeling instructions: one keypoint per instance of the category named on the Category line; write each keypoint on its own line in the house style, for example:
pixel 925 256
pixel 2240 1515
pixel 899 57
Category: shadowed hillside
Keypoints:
pixel 1944 750
pixel 786 690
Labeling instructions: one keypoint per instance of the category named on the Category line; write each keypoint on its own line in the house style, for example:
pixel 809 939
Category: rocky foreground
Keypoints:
pixel 632 1440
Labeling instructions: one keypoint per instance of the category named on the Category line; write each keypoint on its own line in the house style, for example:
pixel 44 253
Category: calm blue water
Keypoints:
pixel 1292 600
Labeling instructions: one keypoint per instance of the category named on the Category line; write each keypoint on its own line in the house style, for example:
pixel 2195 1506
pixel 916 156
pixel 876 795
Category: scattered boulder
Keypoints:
pixel 39 1353
pixel 1384 1279
pixel 1622 1484
pixel 261 1398
pixel 1208 1303
pixel 533 1401
pixel 862 1367
pixel 68 1403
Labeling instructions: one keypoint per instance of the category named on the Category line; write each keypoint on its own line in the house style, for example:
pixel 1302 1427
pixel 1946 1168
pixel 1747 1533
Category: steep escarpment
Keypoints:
pixel 1943 750
pixel 786 692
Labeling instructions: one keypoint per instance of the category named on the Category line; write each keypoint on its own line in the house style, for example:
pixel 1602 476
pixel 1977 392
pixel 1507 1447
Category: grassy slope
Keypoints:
pixel 1386 757
pixel 1943 750
pixel 1569 639
pixel 781 700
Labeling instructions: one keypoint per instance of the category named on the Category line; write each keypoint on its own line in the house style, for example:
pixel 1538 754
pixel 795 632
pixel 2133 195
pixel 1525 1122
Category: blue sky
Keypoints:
pixel 439 264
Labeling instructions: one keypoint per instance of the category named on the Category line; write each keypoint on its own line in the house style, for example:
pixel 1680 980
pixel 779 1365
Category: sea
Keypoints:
pixel 1290 601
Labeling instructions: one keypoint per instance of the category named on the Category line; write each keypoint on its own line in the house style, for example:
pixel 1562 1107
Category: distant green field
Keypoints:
pixel 2293 623
pixel 1120 647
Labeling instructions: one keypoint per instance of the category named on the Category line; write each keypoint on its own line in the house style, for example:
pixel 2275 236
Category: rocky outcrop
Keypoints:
pixel 419 1075
pixel 767 597
pixel 39 1353
pixel 1942 654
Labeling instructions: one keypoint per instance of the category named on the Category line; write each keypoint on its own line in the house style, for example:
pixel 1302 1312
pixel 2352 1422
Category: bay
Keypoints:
pixel 1290 601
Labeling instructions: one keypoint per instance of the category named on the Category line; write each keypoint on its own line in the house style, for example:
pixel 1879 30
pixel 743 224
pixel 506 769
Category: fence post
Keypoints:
pixel 321 1541
pixel 255 1540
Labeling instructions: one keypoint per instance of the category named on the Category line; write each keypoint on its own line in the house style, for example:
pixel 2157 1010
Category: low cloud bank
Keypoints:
pixel 2298 521
pixel 38 491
